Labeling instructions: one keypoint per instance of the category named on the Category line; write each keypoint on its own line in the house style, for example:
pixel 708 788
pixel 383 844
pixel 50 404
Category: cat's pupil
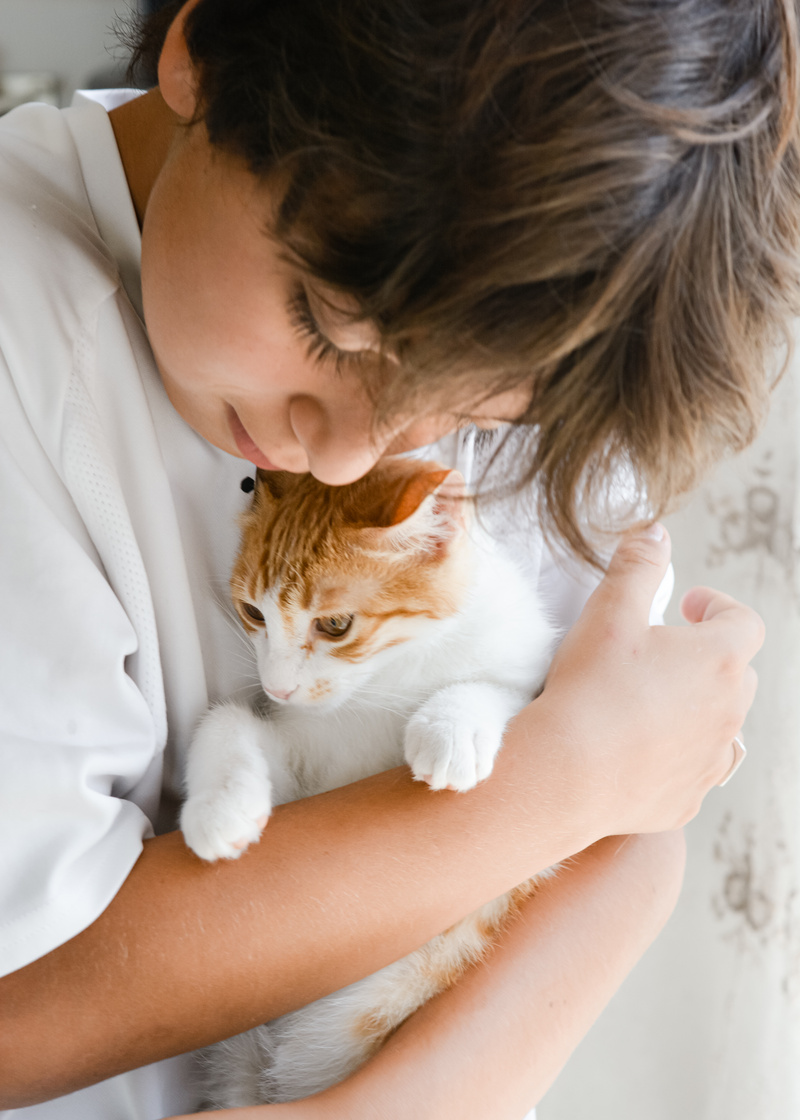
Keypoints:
pixel 334 626
pixel 253 612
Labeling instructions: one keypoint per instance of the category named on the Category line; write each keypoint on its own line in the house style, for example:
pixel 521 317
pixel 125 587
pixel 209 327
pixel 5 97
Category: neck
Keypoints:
pixel 144 129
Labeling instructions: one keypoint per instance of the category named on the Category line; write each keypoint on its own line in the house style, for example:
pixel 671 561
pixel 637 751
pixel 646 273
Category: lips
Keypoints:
pixel 247 448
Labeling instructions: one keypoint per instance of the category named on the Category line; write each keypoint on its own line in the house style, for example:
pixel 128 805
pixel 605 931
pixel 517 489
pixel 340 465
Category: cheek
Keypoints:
pixel 326 680
pixel 321 690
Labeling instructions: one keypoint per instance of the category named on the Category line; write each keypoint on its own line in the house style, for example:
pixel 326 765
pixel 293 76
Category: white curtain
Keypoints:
pixel 708 1025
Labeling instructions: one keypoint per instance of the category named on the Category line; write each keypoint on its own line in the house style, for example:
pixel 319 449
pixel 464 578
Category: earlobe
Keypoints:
pixel 177 79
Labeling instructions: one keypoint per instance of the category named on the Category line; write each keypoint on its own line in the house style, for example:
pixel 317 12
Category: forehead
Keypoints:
pixel 323 586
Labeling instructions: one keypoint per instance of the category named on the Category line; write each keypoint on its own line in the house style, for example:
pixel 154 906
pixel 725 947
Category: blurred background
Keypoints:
pixel 50 48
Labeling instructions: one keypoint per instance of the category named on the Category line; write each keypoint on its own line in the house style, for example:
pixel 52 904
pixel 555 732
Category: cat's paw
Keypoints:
pixel 450 744
pixel 223 823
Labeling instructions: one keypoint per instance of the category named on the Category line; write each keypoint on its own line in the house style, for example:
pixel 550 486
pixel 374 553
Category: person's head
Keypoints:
pixel 585 210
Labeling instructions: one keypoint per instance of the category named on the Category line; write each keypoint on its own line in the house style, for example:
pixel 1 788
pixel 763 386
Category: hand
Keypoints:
pixel 652 710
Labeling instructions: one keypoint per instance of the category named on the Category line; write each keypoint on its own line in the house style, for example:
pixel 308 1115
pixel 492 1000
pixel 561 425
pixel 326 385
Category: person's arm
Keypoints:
pixel 632 729
pixel 493 1044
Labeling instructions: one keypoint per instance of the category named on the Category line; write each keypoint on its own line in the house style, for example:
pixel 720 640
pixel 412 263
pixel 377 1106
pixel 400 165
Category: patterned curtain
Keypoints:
pixel 708 1025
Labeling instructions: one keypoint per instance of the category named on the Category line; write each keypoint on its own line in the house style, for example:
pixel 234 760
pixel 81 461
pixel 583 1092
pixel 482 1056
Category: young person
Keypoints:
pixel 363 225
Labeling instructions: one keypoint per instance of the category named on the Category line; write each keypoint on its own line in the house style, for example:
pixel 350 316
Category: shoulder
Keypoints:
pixel 55 268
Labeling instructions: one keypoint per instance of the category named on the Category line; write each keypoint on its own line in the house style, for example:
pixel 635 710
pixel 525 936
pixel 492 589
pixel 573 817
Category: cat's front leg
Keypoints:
pixel 229 792
pixel 452 740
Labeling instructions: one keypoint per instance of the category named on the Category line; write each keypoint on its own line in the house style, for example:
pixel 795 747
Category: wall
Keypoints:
pixel 72 38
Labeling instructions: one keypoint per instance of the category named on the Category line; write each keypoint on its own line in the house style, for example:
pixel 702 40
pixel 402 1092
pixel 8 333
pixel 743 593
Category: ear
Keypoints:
pixel 274 484
pixel 177 79
pixel 430 512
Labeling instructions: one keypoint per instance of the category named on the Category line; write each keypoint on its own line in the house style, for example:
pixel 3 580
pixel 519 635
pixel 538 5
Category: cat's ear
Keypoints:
pixel 430 512
pixel 274 484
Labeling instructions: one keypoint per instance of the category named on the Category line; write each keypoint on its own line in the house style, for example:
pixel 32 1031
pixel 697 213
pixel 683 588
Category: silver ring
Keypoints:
pixel 739 755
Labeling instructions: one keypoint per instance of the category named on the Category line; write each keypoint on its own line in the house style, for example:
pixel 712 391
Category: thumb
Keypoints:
pixel 635 573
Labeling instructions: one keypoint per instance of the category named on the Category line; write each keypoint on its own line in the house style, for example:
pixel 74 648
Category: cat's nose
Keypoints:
pixel 278 694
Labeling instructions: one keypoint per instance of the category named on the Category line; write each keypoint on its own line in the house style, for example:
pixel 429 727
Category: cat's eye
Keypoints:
pixel 252 612
pixel 334 626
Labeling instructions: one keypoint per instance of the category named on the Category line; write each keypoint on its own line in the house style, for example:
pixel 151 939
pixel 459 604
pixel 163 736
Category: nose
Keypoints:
pixel 340 448
pixel 278 695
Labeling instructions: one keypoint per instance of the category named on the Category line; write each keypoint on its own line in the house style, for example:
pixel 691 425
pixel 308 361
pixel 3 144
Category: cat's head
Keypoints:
pixel 331 581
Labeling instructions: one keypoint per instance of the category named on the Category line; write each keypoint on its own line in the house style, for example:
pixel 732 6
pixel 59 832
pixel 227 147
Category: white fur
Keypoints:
pixel 439 701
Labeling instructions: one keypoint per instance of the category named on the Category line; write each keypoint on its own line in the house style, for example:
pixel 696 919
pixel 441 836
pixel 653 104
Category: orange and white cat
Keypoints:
pixel 387 628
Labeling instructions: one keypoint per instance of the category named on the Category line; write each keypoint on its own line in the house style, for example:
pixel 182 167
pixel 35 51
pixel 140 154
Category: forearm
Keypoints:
pixel 340 885
pixel 493 1044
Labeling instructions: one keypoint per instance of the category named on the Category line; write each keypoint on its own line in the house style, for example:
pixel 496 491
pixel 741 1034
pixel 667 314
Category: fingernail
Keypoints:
pixel 656 531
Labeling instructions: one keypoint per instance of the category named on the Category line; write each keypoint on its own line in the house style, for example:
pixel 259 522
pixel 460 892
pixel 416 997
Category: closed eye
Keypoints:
pixel 319 346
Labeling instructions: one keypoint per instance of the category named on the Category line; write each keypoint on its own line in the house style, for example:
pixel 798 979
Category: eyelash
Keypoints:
pixel 319 348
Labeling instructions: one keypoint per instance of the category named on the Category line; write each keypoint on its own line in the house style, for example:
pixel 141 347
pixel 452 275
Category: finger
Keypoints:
pixel 728 618
pixel 702 603
pixel 635 574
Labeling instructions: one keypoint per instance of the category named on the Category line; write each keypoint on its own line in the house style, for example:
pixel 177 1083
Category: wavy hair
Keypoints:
pixel 594 199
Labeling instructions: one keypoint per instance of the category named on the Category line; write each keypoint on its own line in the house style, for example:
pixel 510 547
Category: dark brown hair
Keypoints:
pixel 596 199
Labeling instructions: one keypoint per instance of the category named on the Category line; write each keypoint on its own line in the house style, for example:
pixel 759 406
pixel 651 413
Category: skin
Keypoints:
pixel 632 730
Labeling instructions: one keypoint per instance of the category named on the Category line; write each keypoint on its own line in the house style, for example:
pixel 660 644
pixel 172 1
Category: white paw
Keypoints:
pixel 450 747
pixel 222 823
pixel 229 793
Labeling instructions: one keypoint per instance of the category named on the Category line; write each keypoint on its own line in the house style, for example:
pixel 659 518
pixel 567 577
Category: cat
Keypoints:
pixel 386 628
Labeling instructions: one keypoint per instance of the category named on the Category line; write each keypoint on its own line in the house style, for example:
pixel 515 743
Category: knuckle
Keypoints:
pixel 637 550
pixel 729 663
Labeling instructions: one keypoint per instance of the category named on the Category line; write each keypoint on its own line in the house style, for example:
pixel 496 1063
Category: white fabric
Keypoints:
pixel 118 531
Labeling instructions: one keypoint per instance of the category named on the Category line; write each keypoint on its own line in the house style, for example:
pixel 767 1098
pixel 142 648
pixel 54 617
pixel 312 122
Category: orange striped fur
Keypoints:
pixel 350 550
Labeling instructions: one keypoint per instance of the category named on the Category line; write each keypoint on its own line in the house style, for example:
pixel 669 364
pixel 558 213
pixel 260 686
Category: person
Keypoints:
pixel 363 226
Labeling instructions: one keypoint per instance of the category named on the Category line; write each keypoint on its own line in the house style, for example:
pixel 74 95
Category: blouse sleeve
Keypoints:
pixel 79 748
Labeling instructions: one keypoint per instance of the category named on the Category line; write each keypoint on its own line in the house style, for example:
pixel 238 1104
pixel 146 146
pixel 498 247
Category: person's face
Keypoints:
pixel 233 328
